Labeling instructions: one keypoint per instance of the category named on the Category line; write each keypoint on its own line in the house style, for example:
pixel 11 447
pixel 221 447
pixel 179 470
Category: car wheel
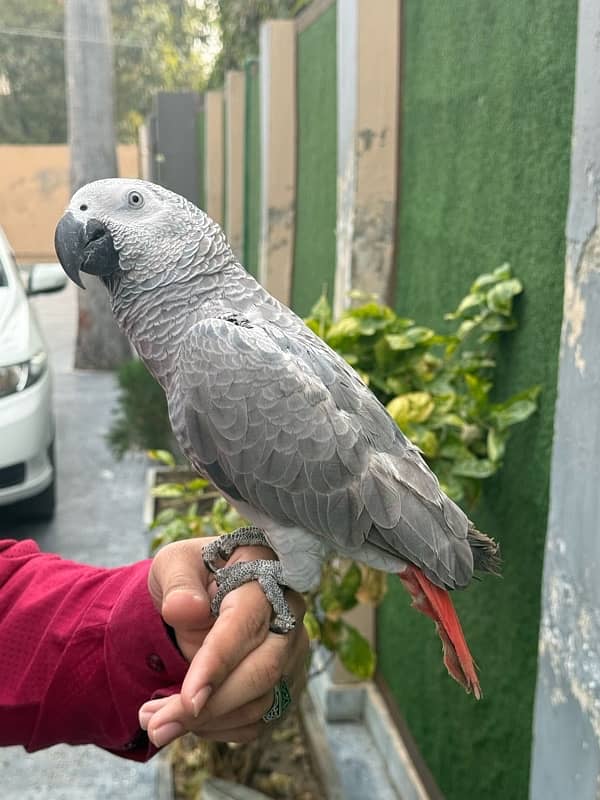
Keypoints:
pixel 41 507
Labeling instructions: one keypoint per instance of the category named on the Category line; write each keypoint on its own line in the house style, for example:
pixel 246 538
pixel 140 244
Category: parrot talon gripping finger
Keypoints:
pixel 222 548
pixel 269 575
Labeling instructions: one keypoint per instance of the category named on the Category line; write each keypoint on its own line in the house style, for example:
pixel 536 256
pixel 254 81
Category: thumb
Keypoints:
pixel 178 583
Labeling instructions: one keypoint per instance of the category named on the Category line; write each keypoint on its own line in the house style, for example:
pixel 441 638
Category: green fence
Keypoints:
pixel 252 167
pixel 314 255
pixel 487 110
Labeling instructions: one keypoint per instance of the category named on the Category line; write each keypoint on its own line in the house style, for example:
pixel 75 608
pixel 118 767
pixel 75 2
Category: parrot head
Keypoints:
pixel 112 226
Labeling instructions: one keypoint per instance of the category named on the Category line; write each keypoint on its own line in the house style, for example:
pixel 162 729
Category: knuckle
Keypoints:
pixel 265 675
pixel 222 664
pixel 272 670
pixel 257 623
pixel 217 664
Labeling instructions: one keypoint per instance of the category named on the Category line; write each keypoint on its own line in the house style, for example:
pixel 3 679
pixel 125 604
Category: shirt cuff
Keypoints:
pixel 142 660
pixel 117 655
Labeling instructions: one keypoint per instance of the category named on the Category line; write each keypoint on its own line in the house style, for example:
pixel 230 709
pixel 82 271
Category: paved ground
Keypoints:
pixel 98 521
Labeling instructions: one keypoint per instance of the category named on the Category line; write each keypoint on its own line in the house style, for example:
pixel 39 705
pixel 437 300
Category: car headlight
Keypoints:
pixel 16 377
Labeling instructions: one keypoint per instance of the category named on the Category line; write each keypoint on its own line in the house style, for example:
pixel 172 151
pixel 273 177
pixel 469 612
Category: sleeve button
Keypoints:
pixel 140 741
pixel 155 663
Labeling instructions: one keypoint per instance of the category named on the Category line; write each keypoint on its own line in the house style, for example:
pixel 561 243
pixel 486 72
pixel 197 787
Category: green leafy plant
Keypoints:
pixel 198 510
pixel 438 388
pixel 141 419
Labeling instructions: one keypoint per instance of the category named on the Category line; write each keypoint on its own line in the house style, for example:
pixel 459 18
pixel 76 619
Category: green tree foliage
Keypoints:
pixel 159 44
pixel 178 35
pixel 33 68
pixel 239 25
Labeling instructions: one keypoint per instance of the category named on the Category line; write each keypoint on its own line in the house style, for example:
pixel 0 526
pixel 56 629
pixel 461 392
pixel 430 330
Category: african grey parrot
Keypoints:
pixel 261 406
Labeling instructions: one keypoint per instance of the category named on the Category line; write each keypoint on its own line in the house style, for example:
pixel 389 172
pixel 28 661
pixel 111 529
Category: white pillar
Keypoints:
pixel 368 133
pixel 214 163
pixel 235 101
pixel 278 155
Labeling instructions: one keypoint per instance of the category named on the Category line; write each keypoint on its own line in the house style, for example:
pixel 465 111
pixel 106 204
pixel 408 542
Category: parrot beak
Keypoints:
pixel 84 247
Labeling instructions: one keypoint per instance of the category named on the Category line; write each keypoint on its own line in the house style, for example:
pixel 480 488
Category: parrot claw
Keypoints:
pixel 269 576
pixel 222 547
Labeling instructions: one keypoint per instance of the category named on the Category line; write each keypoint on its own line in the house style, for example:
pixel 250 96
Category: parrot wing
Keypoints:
pixel 282 423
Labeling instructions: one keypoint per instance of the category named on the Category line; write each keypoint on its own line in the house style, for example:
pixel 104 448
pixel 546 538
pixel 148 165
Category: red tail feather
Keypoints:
pixel 436 603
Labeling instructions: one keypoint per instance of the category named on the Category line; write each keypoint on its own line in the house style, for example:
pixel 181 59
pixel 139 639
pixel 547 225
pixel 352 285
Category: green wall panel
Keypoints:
pixel 487 109
pixel 252 170
pixel 314 253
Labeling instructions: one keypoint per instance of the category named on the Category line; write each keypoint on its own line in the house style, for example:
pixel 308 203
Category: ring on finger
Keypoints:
pixel 282 700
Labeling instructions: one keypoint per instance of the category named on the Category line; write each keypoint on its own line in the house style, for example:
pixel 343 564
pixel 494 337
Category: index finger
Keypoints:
pixel 242 625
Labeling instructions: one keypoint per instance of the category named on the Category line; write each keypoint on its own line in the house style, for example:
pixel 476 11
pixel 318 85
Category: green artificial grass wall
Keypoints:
pixel 314 253
pixel 252 170
pixel 487 111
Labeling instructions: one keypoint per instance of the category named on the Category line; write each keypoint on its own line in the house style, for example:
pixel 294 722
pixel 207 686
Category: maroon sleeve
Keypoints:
pixel 81 648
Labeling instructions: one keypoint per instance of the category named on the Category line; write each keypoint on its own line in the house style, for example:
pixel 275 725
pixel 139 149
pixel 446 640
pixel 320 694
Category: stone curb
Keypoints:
pixel 165 789
pixel 362 705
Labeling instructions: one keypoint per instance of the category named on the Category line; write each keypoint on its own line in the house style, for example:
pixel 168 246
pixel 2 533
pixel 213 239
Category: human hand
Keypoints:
pixel 235 660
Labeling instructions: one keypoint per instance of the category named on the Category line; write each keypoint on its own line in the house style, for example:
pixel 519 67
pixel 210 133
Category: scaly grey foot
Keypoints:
pixel 269 575
pixel 222 547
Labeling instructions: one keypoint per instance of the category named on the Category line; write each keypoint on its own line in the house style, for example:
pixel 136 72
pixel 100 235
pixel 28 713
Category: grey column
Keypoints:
pixel 566 749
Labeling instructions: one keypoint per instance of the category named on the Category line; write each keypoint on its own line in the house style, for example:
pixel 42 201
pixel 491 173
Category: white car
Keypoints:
pixel 27 476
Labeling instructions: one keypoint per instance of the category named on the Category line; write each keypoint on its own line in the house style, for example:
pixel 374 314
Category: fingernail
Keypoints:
pixel 166 733
pixel 144 718
pixel 199 699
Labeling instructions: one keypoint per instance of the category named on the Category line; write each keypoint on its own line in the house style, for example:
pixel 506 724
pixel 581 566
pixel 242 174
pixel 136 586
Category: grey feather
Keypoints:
pixel 301 469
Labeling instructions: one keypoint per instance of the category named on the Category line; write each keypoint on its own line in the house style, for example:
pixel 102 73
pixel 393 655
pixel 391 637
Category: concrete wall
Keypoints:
pixel 34 190
pixel 566 758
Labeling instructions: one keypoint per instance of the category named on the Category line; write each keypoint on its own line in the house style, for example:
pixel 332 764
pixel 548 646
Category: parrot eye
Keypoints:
pixel 135 199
